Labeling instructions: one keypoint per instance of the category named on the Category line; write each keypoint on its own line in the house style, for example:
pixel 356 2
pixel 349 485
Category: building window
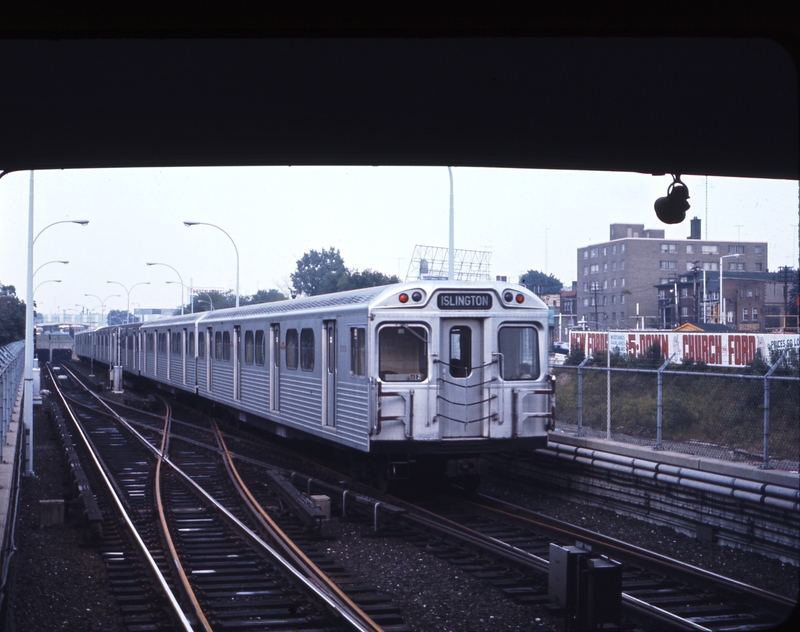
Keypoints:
pixel 613 266
pixel 710 250
pixel 586 302
pixel 613 283
pixel 690 265
pixel 744 315
pixel 622 248
pixel 669 265
pixel 758 250
pixel 689 249
pixel 594 252
pixel 614 249
pixel 755 313
pixel 735 250
pixel 623 282
pixel 585 254
pixel 759 267
pixel 733 265
pixel 749 292
pixel 605 267
pixel 622 264
pixel 594 269
pixel 585 270
pixel 684 312
pixel 622 300
pixel 669 248
pixel 605 250
pixel 710 265
pixel 585 287
pixel 605 284
pixel 614 299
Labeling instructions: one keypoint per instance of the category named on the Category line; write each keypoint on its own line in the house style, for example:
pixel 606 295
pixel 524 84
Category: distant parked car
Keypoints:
pixel 561 347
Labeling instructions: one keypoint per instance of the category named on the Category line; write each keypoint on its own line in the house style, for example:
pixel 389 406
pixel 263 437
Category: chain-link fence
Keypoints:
pixel 750 416
pixel 12 363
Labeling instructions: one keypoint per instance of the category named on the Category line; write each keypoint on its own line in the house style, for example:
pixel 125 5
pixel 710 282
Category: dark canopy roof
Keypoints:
pixel 508 86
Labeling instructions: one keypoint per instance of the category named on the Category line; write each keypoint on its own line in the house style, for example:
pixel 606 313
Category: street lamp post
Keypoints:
pixel 234 247
pixel 128 308
pixel 181 278
pixel 27 413
pixel 47 264
pixel 722 300
pixel 102 303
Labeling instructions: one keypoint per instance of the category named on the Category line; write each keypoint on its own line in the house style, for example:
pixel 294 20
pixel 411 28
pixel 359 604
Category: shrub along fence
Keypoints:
pixel 747 416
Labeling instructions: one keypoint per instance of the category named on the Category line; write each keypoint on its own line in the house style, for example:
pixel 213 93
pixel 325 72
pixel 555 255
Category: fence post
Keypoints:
pixel 765 462
pixel 660 408
pixel 580 432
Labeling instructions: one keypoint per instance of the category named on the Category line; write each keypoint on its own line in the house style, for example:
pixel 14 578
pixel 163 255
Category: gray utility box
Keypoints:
pixel 562 587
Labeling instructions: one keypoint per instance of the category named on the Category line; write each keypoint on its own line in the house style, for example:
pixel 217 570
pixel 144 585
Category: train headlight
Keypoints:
pixel 508 297
pixel 403 298
pixel 416 297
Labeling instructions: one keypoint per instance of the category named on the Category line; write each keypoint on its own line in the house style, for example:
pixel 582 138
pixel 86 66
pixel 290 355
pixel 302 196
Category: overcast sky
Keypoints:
pixel 528 219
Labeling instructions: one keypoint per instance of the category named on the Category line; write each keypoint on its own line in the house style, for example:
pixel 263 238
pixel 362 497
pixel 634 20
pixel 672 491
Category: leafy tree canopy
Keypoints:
pixel 213 299
pixel 541 283
pixel 262 296
pixel 324 272
pixel 12 316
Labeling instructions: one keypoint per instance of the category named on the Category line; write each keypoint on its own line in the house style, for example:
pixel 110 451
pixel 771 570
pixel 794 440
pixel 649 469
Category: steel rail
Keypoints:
pixel 329 600
pixel 301 559
pixel 161 580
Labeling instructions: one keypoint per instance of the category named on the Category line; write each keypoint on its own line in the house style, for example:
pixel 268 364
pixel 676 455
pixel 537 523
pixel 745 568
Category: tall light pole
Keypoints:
pixel 102 303
pixel 27 413
pixel 128 308
pixel 722 300
pixel 234 247
pixel 181 278
pixel 451 252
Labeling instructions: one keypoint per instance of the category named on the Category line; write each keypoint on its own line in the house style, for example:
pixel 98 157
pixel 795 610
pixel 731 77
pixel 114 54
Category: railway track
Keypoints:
pixel 207 560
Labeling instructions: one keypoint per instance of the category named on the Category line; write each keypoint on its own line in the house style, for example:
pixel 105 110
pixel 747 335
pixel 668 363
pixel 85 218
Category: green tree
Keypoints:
pixel 218 300
pixel 541 283
pixel 319 272
pixel 119 316
pixel 263 296
pixel 12 315
pixel 355 280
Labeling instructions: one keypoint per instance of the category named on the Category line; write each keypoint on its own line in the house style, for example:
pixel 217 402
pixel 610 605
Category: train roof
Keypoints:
pixel 371 296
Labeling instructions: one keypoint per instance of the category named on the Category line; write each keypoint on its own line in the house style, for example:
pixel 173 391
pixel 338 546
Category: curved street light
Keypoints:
pixel 208 301
pixel 102 303
pixel 48 263
pixel 128 309
pixel 179 276
pixel 27 412
pixel 234 247
pixel 43 282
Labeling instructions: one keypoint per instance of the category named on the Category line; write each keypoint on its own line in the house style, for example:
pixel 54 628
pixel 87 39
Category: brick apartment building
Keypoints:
pixel 617 278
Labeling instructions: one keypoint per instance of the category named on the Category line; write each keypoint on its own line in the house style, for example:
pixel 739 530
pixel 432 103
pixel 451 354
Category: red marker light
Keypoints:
pixel 403 298
pixel 520 298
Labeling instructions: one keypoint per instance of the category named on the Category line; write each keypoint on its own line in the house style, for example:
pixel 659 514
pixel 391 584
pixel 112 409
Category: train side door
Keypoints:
pixel 237 362
pixel 274 367
pixel 461 398
pixel 329 359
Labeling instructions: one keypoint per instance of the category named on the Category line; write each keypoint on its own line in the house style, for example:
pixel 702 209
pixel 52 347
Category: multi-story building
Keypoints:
pixel 616 278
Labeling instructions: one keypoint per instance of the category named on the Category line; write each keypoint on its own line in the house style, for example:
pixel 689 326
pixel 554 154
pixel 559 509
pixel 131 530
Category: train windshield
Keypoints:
pixel 519 347
pixel 403 352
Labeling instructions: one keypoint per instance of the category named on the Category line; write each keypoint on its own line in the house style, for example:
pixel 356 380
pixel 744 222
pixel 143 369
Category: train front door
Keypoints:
pixel 461 397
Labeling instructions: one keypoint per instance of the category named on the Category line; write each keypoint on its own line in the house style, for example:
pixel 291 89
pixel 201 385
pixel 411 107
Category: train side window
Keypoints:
pixel 307 349
pixel 261 347
pixel 291 349
pixel 162 343
pixel 519 347
pixel 218 345
pixel 226 346
pixel 460 351
pixel 403 353
pixel 249 352
pixel 358 351
pixel 190 343
pixel 201 345
pixel 176 343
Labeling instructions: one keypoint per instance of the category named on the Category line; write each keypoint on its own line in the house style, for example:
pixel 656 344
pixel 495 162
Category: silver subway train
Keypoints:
pixel 432 371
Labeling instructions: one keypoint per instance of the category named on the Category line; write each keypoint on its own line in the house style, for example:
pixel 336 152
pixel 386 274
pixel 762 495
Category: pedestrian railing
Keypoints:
pixel 12 364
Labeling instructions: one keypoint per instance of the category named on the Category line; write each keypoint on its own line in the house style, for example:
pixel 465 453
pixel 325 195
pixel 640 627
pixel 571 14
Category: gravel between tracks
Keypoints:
pixel 58 584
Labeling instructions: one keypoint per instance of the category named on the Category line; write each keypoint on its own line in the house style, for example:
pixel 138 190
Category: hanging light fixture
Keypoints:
pixel 672 208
